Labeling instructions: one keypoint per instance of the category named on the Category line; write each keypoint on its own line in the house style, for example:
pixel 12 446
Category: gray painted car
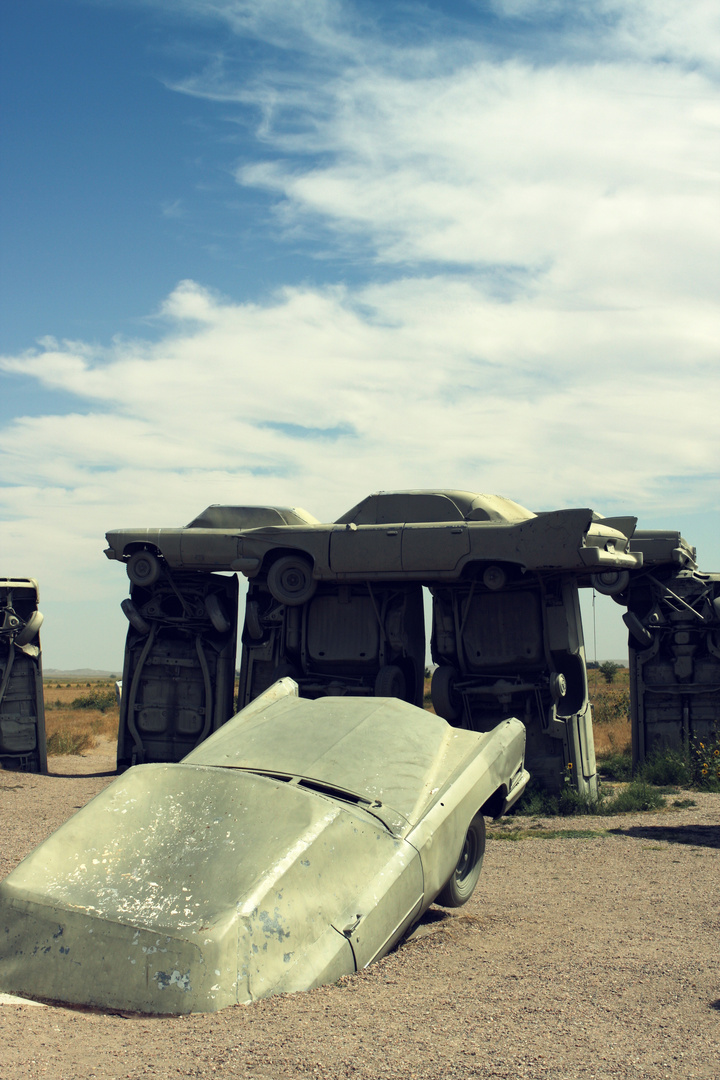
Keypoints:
pixel 400 536
pixel 208 542
pixel 296 845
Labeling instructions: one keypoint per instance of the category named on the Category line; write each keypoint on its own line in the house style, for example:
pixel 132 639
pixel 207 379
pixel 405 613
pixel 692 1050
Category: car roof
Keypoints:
pixel 220 516
pixel 385 507
pixel 379 748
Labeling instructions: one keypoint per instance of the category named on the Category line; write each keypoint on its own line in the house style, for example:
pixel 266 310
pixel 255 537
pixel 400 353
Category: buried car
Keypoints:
pixel 294 846
pixel 415 535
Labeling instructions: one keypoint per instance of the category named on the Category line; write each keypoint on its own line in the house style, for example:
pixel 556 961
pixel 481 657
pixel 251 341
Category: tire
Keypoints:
pixel 461 885
pixel 445 699
pixel 558 686
pixel 215 614
pixel 494 578
pixel 290 580
pixel 390 682
pixel 30 629
pixel 134 617
pixel 610 582
pixel 143 568
pixel 639 633
pixel 252 620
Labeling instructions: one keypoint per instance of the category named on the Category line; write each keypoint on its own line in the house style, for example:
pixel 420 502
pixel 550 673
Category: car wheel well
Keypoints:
pixel 281 553
pixel 138 545
pixel 477 568
pixel 492 807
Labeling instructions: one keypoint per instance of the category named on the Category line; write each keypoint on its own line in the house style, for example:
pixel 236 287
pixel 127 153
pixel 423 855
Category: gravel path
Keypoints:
pixel 578 957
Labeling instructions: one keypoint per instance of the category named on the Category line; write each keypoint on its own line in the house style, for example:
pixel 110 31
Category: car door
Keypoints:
pixel 388 904
pixel 434 545
pixel 215 548
pixel 362 549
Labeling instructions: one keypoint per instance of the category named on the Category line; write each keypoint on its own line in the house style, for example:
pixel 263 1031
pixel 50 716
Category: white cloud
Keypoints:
pixel 546 325
pixel 429 381
pixel 605 178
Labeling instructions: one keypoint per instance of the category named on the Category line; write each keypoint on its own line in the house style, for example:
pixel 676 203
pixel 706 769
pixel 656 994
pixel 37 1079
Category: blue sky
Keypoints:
pixel 295 252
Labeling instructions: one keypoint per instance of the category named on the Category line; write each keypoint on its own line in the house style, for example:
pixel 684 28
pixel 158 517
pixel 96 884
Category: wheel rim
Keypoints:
pixel 468 856
pixel 293 580
pixel 143 568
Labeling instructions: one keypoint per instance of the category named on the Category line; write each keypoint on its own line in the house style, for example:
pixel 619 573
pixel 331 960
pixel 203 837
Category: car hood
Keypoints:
pixel 381 749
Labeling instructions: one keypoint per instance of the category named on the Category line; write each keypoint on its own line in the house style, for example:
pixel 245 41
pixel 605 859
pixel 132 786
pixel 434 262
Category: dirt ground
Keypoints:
pixel 579 956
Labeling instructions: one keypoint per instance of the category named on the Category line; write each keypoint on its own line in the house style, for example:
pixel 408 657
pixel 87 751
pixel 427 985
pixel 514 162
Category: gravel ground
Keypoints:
pixel 578 957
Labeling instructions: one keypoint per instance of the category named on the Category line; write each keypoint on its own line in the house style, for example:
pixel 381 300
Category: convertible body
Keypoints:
pixel 295 845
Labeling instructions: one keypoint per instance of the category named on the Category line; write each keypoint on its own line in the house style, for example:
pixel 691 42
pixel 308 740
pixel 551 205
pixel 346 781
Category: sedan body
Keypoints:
pixel 296 845
pixel 209 541
pixel 403 535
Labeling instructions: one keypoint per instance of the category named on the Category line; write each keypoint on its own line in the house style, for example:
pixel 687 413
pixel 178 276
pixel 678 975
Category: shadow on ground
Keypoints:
pixel 697 835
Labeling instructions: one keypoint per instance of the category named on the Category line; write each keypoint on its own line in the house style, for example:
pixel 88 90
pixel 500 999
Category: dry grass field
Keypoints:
pixel 79 711
pixel 611 712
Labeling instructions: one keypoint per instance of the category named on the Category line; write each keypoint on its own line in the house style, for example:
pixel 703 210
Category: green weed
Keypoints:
pixel 67 742
pixel 616 766
pixel 705 762
pixel 637 796
pixel 667 766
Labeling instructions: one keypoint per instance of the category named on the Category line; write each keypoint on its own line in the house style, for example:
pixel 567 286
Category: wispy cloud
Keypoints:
pixel 532 263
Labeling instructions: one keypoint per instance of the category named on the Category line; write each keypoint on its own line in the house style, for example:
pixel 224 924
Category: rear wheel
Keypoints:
pixel 446 700
pixel 134 617
pixel 610 582
pixel 252 620
pixel 30 629
pixel 290 580
pixel 216 614
pixel 143 568
pixel 458 890
pixel 640 633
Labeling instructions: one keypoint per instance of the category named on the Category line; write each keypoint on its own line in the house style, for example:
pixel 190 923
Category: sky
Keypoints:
pixel 293 252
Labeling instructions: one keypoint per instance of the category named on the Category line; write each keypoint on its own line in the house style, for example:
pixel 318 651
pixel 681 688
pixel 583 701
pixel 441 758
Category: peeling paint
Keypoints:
pixel 271 925
pixel 173 978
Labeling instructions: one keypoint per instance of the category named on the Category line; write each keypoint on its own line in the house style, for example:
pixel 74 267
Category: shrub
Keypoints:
pixel 617 766
pixel 96 699
pixel 705 762
pixel 611 705
pixel 536 802
pixel 667 767
pixel 68 742
pixel 637 796
pixel 608 669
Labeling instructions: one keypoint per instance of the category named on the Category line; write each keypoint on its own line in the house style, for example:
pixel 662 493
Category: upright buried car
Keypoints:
pixel 22 713
pixel 296 845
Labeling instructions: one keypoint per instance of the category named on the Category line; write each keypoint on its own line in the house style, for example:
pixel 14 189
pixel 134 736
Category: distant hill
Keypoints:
pixel 81 673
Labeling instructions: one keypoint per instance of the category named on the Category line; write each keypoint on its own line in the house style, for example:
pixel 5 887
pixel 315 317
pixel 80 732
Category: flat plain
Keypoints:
pixel 590 949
